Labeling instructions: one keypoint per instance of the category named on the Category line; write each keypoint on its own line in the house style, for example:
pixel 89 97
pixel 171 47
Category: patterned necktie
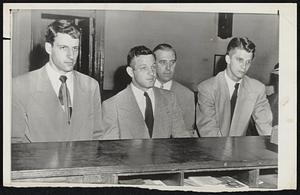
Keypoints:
pixel 64 98
pixel 149 119
pixel 233 99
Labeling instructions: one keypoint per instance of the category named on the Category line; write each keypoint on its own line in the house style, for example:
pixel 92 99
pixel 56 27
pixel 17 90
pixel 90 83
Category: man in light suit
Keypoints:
pixel 166 59
pixel 227 101
pixel 142 111
pixel 55 102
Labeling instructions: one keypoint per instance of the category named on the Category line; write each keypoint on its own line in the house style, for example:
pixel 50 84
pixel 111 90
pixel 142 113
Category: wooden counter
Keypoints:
pixel 171 160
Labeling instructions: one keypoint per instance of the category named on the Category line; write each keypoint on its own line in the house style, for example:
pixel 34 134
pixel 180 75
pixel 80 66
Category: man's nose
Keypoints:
pixel 168 67
pixel 70 54
pixel 152 71
pixel 243 65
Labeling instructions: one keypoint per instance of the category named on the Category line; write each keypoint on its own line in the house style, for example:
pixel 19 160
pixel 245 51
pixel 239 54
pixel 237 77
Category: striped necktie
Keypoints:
pixel 64 98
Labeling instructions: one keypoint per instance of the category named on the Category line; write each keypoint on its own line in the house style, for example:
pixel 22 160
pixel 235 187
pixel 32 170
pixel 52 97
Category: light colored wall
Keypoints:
pixel 263 30
pixel 193 35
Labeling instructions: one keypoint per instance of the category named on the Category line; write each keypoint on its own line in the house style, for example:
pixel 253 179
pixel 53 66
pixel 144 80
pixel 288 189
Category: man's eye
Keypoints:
pixel 63 47
pixel 248 62
pixel 163 62
pixel 75 48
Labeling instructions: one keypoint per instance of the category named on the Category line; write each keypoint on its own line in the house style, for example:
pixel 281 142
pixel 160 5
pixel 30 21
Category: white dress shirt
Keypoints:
pixel 231 83
pixel 141 99
pixel 56 83
pixel 166 85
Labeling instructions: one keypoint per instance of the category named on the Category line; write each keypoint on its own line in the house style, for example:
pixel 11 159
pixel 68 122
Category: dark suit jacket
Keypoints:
pixel 213 108
pixel 123 119
pixel 186 101
pixel 37 115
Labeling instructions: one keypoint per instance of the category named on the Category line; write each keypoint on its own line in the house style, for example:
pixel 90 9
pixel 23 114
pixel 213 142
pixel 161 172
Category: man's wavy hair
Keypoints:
pixel 138 51
pixel 165 47
pixel 62 26
pixel 242 43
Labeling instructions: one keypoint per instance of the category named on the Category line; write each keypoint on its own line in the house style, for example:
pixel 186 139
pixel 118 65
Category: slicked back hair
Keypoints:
pixel 62 26
pixel 242 43
pixel 138 51
pixel 165 47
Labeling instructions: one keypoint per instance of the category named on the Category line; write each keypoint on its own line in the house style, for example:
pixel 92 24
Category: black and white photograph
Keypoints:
pixel 156 96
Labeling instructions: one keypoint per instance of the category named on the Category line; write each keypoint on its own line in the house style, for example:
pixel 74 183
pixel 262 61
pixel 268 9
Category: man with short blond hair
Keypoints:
pixel 227 101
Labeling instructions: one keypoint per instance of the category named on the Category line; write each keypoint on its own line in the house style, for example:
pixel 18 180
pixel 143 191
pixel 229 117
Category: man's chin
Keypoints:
pixel 167 79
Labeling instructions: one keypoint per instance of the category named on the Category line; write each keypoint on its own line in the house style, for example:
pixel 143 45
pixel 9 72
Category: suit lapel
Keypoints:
pixel 130 110
pixel 49 108
pixel 173 86
pixel 243 109
pixel 224 104
pixel 161 110
pixel 46 96
pixel 79 102
pixel 157 111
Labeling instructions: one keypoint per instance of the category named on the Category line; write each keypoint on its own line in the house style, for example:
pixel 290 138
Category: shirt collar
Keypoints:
pixel 140 92
pixel 55 75
pixel 166 85
pixel 229 81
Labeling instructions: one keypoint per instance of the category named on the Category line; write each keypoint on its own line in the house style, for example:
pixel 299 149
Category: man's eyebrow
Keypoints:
pixel 61 45
pixel 141 64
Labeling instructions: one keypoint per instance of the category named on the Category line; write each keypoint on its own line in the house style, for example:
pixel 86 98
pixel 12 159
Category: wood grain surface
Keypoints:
pixel 56 159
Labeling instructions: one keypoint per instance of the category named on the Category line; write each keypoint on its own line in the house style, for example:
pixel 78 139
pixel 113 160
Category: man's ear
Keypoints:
pixel 227 59
pixel 129 71
pixel 48 47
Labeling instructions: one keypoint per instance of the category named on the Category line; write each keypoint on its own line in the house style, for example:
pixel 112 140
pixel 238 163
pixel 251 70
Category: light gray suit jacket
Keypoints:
pixel 37 115
pixel 123 119
pixel 213 108
pixel 186 101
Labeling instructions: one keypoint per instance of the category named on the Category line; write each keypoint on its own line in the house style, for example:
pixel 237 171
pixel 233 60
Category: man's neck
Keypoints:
pixel 165 85
pixel 230 77
pixel 140 88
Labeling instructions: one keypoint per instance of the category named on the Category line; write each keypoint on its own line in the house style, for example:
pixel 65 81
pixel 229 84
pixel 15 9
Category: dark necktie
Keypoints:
pixel 64 98
pixel 149 119
pixel 162 86
pixel 233 99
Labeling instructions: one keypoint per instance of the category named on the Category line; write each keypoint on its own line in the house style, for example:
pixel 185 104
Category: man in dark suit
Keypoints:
pixel 227 101
pixel 55 102
pixel 166 59
pixel 142 111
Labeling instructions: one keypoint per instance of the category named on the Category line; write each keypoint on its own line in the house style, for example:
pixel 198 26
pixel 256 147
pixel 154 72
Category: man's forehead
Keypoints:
pixel 165 52
pixel 143 58
pixel 240 52
pixel 65 39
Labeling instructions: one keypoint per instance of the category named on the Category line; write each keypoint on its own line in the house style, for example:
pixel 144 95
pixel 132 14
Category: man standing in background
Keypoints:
pixel 55 102
pixel 142 111
pixel 166 59
pixel 227 101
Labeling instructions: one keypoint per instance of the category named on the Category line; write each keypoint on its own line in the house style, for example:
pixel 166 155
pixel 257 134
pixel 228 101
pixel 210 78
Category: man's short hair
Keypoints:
pixel 62 26
pixel 164 47
pixel 137 51
pixel 242 43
